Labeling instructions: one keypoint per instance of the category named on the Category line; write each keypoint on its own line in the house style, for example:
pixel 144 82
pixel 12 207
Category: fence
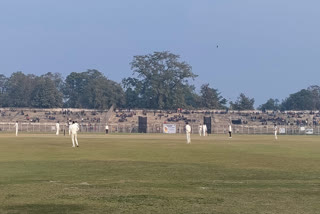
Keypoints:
pixel 153 128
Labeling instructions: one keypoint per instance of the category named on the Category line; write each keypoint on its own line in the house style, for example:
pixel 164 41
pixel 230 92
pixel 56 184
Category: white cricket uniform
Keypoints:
pixel 74 128
pixel 57 128
pixel 204 130
pixel 188 131
pixel 230 131
pixel 17 128
pixel 70 124
pixel 275 132
pixel 200 130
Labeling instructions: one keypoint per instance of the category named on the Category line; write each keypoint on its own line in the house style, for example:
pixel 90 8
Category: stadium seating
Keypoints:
pixel 126 120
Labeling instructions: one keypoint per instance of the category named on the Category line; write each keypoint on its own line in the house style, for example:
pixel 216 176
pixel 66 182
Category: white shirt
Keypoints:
pixel 57 125
pixel 74 128
pixel 204 127
pixel 188 128
pixel 107 127
pixel 70 124
pixel 230 128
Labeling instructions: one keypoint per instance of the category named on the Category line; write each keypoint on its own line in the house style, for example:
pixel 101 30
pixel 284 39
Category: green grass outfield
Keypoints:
pixel 159 174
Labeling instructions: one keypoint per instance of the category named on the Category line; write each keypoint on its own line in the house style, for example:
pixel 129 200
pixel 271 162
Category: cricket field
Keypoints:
pixel 155 173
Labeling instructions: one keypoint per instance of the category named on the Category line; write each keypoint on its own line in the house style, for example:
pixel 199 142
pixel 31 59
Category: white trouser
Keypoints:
pixel 57 132
pixel 204 132
pixel 200 132
pixel 188 138
pixel 74 137
pixel 275 135
pixel 16 132
pixel 69 131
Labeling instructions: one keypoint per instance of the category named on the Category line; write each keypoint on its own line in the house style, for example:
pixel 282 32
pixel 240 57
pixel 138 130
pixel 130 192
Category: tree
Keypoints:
pixel 302 100
pixel 46 94
pixel 18 90
pixel 315 91
pixel 3 83
pixel 193 100
pixel 132 99
pixel 102 93
pixel 56 78
pixel 243 103
pixel 211 98
pixel 91 89
pixel 74 89
pixel 160 82
pixel 271 104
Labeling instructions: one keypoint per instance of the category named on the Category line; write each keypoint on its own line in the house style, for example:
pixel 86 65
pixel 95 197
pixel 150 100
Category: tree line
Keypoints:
pixel 159 81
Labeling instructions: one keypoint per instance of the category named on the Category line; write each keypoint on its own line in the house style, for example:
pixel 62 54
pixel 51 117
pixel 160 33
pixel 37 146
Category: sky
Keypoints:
pixel 266 48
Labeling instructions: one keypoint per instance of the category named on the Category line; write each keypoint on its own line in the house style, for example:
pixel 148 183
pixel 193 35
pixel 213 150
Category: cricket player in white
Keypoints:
pixel 57 128
pixel 200 129
pixel 107 129
pixel 230 130
pixel 77 125
pixel 275 131
pixel 70 124
pixel 204 130
pixel 74 128
pixel 16 125
pixel 188 131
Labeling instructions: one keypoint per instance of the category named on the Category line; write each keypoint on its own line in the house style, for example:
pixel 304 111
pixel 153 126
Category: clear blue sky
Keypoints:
pixel 267 48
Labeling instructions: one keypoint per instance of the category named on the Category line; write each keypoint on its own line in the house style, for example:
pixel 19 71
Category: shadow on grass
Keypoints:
pixel 44 208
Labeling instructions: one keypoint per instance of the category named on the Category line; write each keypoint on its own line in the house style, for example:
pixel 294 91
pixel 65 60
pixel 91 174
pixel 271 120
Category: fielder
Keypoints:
pixel 16 125
pixel 70 124
pixel 57 128
pixel 204 130
pixel 107 129
pixel 275 128
pixel 200 129
pixel 74 128
pixel 230 130
pixel 188 131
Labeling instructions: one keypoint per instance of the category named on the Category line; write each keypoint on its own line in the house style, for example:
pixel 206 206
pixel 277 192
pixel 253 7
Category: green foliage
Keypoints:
pixel 88 89
pixel 91 89
pixel 302 100
pixel 271 104
pixel 45 94
pixel 3 82
pixel 242 103
pixel 22 90
pixel 160 82
pixel 315 91
pixel 19 88
pixel 211 98
pixel 56 78
pixel 193 100
pixel 305 99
